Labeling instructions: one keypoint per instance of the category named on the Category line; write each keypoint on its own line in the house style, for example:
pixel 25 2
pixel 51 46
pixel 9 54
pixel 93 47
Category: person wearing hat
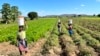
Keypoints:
pixel 21 36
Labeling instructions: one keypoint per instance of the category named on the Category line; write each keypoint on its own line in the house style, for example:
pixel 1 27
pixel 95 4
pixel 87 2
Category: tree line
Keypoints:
pixel 11 13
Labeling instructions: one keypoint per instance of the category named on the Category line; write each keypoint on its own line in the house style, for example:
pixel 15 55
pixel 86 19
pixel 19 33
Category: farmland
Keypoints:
pixel 36 29
pixel 44 39
pixel 86 37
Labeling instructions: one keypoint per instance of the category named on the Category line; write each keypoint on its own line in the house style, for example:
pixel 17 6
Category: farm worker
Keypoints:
pixel 70 27
pixel 21 37
pixel 59 26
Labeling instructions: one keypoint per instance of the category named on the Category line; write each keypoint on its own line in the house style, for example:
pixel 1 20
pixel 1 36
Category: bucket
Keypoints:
pixel 20 20
pixel 70 21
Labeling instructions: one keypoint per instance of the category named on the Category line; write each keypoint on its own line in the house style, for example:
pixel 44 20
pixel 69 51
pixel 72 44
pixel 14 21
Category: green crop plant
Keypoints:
pixel 36 30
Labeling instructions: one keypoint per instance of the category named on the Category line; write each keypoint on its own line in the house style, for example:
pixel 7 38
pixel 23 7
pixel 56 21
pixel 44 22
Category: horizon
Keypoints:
pixel 56 7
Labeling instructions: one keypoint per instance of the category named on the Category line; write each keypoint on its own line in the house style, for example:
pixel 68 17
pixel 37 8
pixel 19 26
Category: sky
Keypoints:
pixel 55 7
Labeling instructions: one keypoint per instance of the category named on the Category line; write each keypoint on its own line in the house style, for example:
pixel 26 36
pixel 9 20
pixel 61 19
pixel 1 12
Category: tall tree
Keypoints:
pixel 32 15
pixel 14 12
pixel 6 12
pixel 98 15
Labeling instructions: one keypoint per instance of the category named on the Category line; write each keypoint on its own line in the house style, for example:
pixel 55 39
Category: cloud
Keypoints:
pixel 82 5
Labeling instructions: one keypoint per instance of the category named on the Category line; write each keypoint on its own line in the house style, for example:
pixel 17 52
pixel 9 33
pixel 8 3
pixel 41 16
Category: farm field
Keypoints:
pixel 44 39
pixel 86 37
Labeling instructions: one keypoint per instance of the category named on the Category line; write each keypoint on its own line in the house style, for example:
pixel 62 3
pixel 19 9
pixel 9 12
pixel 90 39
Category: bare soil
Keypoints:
pixel 6 49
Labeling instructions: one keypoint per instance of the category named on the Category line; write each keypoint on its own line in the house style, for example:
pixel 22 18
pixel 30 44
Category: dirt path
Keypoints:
pixel 7 49
pixel 36 48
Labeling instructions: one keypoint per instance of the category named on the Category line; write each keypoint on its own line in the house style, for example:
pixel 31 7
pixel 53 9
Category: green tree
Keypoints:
pixel 14 12
pixel 94 15
pixel 79 15
pixel 6 12
pixel 98 15
pixel 32 15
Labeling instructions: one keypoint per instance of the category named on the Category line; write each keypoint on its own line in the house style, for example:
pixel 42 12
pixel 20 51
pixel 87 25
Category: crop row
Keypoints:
pixel 36 30
pixel 68 46
pixel 85 49
pixel 90 23
pixel 89 39
pixel 86 44
pixel 52 46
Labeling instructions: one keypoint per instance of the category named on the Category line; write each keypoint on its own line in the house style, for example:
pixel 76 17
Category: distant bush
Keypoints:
pixel 32 15
pixel 79 15
pixel 98 15
pixel 94 15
